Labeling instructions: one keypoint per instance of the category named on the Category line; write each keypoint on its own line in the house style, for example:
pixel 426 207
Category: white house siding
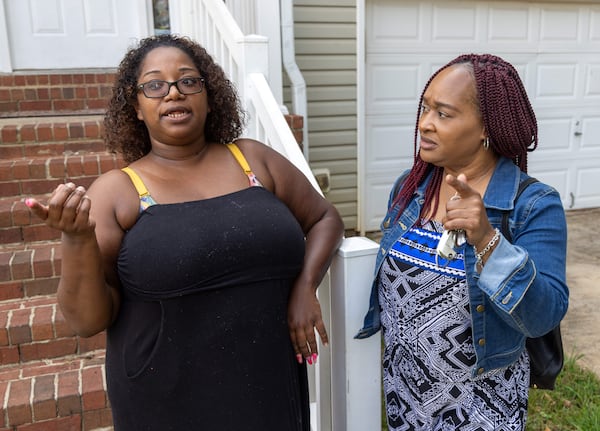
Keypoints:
pixel 325 34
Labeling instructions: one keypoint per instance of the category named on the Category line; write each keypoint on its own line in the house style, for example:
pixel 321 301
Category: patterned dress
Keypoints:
pixel 429 353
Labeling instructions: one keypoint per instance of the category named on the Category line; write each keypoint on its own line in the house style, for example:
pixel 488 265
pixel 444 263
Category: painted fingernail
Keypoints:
pixel 299 358
pixel 29 202
pixel 314 358
pixel 309 360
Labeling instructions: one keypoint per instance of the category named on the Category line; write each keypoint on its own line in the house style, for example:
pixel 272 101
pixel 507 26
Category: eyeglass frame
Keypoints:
pixel 170 84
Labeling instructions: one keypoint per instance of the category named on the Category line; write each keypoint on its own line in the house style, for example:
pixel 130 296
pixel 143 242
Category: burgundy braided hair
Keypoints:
pixel 507 116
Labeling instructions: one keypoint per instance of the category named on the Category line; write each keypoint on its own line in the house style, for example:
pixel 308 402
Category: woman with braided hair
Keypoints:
pixel 454 297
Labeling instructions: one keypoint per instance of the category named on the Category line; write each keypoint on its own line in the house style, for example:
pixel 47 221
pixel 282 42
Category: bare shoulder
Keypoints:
pixel 114 197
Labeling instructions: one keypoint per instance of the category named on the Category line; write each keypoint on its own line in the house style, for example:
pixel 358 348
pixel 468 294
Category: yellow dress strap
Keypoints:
pixel 244 164
pixel 137 181
pixel 239 157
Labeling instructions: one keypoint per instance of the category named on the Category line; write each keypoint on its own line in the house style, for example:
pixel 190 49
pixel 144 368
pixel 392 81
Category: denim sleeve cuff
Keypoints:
pixel 502 278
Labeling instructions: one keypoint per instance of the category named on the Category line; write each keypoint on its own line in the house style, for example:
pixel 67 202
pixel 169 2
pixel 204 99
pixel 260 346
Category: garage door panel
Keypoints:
pixel 556 81
pixel 587 186
pixel 509 23
pixel 557 176
pixel 456 22
pixel 384 95
pixel 560 23
pixel 379 192
pixel 389 146
pixel 590 133
pixel 554 135
pixel 592 82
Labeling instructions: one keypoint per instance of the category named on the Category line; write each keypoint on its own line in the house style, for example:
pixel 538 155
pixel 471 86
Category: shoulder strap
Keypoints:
pixel 504 227
pixel 137 181
pixel 239 157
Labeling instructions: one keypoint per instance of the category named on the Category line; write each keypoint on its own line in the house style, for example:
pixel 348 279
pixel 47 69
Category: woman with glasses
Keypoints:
pixel 201 258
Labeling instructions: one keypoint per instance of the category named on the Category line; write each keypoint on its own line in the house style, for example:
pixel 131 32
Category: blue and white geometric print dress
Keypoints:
pixel 429 353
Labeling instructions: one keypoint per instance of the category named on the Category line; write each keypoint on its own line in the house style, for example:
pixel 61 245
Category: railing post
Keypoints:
pixel 356 364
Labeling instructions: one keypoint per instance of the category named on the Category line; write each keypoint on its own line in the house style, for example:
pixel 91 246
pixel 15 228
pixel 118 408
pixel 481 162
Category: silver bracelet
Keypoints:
pixel 488 247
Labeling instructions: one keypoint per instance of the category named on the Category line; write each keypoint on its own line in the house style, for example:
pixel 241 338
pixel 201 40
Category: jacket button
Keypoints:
pixel 480 371
pixel 386 223
pixel 480 308
pixel 403 226
pixel 481 342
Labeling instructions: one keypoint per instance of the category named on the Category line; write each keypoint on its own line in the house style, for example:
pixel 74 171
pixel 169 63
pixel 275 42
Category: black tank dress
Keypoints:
pixel 201 341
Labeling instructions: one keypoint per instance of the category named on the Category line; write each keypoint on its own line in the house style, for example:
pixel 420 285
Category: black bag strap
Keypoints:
pixel 504 227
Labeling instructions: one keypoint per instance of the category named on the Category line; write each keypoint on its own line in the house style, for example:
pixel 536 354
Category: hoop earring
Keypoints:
pixel 486 143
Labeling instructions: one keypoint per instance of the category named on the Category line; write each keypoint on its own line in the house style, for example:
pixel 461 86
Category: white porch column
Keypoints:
pixel 355 364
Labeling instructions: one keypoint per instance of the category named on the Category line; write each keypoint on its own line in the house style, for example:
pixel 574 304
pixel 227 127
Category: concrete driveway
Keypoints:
pixel 581 326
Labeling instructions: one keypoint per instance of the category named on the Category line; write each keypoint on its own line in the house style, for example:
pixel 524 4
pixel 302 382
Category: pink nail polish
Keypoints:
pixel 314 358
pixel 29 202
pixel 309 360
pixel 299 358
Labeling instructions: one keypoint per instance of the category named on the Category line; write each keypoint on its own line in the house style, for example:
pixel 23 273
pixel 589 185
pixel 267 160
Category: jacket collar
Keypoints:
pixel 501 190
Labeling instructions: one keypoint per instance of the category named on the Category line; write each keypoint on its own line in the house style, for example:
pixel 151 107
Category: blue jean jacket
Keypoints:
pixel 522 291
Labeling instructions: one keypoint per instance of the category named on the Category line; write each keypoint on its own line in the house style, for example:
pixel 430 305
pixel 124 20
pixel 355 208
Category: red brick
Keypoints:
pixel 38 105
pixel 19 411
pixel 74 166
pixel 44 404
pixel 19 331
pixel 3 329
pixel 43 286
pixel 72 423
pixel 68 397
pixel 11 290
pixel 20 170
pixel 42 262
pixel 11 235
pixel 39 233
pixel 94 395
pixel 43 94
pixel 44 132
pixel 37 169
pixel 97 419
pixel 19 80
pixel 9 134
pixel 61 132
pixel 55 80
pixel 27 133
pixel 61 327
pixel 9 189
pixel 9 355
pixel 11 152
pixel 66 79
pixel 95 342
pixel 20 265
pixel 56 167
pixel 48 349
pixel 3 389
pixel 39 187
pixel 43 79
pixel 42 327
pixel 21 216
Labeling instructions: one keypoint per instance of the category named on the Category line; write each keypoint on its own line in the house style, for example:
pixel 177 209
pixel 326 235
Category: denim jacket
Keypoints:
pixel 521 291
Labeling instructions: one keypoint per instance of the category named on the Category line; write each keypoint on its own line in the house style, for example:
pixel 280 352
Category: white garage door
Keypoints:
pixel 554 46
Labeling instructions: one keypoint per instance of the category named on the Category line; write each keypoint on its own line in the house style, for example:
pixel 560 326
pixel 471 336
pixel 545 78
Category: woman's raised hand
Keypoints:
pixel 67 210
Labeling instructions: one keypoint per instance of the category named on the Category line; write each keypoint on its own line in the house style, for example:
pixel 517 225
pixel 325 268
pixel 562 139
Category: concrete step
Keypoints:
pixel 67 393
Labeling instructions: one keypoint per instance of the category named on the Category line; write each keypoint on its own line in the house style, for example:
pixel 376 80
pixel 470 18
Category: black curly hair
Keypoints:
pixel 507 116
pixel 124 133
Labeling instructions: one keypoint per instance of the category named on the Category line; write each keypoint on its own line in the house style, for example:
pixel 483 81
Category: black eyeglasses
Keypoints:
pixel 158 88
